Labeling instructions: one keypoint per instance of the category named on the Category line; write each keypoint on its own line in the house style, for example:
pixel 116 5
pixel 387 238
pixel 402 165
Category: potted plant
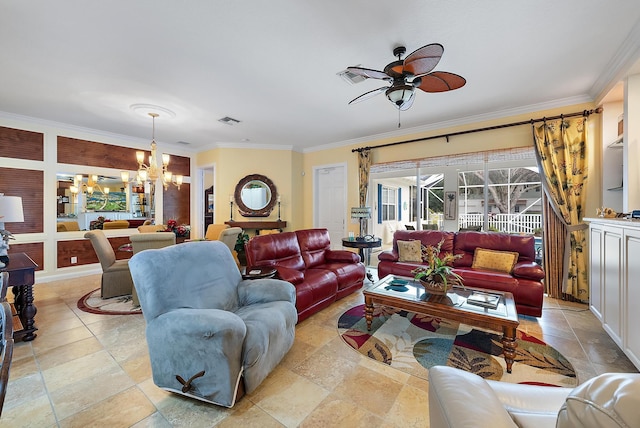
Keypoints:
pixel 243 238
pixel 438 276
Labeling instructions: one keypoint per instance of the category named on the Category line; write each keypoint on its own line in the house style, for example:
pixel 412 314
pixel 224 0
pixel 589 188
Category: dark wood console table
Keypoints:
pixel 22 277
pixel 258 225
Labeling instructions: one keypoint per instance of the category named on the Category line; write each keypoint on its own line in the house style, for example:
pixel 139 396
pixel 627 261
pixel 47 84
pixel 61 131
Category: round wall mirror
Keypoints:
pixel 255 196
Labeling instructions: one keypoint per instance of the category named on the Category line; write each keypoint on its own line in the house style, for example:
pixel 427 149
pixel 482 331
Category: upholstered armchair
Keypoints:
pixel 115 224
pixel 6 348
pixel 213 231
pixel 461 399
pixel 210 333
pixel 148 241
pixel 116 278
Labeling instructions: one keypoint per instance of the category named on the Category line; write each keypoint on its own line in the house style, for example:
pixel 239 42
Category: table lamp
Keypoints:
pixel 10 212
pixel 362 214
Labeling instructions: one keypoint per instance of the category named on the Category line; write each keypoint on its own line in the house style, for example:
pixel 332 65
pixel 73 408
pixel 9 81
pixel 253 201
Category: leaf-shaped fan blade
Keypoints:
pixel 368 72
pixel 408 103
pixel 368 95
pixel 441 81
pixel 423 60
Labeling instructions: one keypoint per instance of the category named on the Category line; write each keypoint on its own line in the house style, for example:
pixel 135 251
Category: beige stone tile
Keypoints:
pixel 22 350
pixel 411 409
pixel 156 420
pixel 369 389
pixel 24 389
pixel 48 327
pixel 121 410
pixel 419 383
pixel 84 368
pixel 72 351
pixel 314 334
pixel 339 348
pixel 34 412
pixel 288 397
pixel 247 415
pixel 336 411
pixel 23 367
pixel 47 342
pixel 325 368
pixel 182 411
pixel 299 352
pixel 78 396
pixel 138 368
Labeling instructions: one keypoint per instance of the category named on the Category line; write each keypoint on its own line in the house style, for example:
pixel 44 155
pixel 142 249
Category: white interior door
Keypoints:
pixel 330 201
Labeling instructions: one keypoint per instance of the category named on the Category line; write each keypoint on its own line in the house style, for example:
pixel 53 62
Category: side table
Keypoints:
pixel 22 277
pixel 256 272
pixel 363 244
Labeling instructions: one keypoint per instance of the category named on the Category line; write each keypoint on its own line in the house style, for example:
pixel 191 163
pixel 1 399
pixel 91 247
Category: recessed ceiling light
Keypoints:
pixel 145 109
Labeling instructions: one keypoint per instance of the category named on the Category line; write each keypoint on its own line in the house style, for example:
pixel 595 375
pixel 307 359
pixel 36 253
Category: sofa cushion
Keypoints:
pixel 487 279
pixel 466 243
pixel 281 249
pixel 501 261
pixel 313 245
pixel 608 400
pixel 409 251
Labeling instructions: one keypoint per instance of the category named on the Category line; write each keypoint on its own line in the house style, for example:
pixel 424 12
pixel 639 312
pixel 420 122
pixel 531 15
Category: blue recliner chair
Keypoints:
pixel 207 328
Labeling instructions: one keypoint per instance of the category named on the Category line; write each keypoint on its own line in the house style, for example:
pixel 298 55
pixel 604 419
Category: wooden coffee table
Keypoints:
pixel 406 294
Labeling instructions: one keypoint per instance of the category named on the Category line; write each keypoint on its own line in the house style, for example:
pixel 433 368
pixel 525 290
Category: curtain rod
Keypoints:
pixel 584 113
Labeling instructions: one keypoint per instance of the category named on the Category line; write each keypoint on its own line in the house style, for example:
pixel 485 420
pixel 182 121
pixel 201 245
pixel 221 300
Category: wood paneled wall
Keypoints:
pixel 21 144
pixel 176 204
pixel 34 250
pixel 83 152
pixel 83 250
pixel 28 184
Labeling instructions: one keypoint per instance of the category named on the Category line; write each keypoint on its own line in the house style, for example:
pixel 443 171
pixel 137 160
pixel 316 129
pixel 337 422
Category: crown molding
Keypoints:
pixel 498 114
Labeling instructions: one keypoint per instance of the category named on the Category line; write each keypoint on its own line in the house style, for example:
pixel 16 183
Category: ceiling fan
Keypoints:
pixel 415 71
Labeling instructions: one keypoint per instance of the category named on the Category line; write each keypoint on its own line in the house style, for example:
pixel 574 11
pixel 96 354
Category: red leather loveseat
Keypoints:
pixel 305 259
pixel 524 281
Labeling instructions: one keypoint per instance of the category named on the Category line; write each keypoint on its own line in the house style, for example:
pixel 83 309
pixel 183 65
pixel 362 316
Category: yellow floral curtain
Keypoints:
pixel 364 165
pixel 561 151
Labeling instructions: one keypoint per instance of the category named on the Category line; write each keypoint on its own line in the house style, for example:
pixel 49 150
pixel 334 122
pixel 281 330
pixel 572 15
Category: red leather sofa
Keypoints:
pixel 305 259
pixel 524 282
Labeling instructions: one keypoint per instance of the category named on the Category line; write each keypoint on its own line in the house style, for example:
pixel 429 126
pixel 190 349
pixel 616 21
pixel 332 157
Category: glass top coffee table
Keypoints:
pixel 499 314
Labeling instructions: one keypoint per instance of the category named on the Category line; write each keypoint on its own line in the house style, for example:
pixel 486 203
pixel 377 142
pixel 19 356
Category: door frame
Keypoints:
pixel 316 204
pixel 199 197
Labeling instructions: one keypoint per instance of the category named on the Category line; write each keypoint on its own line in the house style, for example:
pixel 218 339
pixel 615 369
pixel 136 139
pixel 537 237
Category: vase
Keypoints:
pixel 437 288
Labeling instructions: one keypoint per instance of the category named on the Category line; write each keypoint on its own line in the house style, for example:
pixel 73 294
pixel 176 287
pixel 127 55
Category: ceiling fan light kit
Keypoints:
pixel 415 71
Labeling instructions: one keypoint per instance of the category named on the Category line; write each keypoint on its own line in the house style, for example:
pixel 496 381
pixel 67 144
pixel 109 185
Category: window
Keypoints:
pixel 512 196
pixel 388 203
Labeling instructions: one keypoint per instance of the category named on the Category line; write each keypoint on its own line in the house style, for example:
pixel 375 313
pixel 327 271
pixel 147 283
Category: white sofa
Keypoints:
pixel 462 399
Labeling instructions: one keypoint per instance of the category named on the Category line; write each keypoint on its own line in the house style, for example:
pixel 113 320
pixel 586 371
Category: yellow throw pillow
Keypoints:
pixel 409 251
pixel 501 261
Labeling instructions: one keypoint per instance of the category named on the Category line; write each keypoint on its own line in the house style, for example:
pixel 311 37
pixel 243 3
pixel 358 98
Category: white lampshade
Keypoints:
pixel 11 209
pixel 399 94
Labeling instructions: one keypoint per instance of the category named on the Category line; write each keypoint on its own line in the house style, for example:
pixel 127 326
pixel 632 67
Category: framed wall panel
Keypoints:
pixel 83 250
pixel 34 250
pixel 176 204
pixel 29 184
pixel 21 144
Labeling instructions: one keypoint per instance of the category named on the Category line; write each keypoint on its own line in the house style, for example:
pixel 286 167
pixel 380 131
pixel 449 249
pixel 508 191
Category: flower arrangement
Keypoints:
pixel 439 271
pixel 182 230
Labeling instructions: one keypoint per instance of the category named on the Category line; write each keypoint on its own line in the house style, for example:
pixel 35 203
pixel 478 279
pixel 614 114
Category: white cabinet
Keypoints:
pixel 631 281
pixel 614 287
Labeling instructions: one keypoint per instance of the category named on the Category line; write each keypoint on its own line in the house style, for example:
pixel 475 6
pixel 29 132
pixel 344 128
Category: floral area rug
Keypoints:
pixel 413 342
pixel 121 305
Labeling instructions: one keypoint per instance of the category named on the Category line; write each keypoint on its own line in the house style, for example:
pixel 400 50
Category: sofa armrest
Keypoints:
pixel 293 276
pixel 251 291
pixel 388 256
pixel 528 270
pixel 453 400
pixel 341 256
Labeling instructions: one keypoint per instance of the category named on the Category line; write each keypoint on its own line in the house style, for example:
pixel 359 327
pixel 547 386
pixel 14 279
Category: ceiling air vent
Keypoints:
pixel 228 120
pixel 351 77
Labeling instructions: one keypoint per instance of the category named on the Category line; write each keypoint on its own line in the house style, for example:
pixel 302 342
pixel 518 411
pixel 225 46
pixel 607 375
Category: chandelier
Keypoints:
pixel 151 173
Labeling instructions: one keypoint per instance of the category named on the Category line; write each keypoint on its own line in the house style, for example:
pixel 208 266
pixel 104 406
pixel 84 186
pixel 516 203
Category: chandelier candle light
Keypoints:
pixel 151 172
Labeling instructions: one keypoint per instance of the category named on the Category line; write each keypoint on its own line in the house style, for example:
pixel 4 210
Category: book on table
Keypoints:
pixel 484 299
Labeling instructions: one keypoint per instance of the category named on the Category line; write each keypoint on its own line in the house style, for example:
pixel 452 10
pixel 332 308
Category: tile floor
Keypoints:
pixel 93 370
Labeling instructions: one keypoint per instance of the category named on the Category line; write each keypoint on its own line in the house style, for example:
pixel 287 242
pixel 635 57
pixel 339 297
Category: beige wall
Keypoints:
pixel 292 172
pixel 232 164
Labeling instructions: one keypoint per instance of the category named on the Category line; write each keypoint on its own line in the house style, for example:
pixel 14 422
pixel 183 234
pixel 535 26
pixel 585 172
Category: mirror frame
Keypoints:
pixel 244 210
